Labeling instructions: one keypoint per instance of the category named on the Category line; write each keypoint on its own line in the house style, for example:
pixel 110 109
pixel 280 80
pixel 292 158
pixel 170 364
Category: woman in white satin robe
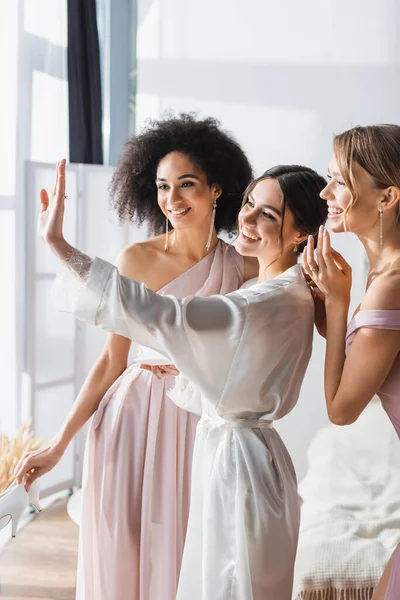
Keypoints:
pixel 242 357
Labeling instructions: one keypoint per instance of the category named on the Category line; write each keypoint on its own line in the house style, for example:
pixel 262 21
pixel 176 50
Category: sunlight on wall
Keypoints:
pixel 314 32
pixel 148 34
pixel 260 130
pixel 148 106
pixel 49 137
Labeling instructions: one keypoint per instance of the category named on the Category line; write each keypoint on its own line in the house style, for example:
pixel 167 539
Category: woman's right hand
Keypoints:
pixel 51 216
pixel 330 272
pixel 35 464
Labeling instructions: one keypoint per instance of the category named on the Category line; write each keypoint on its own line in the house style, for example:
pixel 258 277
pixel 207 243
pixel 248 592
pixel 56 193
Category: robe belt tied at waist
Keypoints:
pixel 235 423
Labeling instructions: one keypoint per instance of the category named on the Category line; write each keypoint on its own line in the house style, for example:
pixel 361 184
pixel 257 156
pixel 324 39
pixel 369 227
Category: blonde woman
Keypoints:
pixel 363 356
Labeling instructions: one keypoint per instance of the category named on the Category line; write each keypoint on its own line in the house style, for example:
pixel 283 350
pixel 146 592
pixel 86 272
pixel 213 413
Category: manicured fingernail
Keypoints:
pixel 310 239
pixel 325 232
pixel 321 229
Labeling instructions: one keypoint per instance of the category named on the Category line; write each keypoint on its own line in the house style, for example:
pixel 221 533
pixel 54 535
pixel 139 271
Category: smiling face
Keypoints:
pixel 364 214
pixel 183 192
pixel 260 222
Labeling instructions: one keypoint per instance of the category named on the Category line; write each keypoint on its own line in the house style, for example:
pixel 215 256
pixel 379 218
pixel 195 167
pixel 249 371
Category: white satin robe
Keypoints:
pixel 245 355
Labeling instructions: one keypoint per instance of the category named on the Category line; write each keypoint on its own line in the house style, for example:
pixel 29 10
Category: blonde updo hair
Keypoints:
pixel 376 148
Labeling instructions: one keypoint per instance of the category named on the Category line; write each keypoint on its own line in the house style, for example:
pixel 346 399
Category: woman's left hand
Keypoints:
pixel 330 272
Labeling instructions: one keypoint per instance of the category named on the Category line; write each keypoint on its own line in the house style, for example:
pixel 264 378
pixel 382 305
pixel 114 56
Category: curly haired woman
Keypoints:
pixel 187 176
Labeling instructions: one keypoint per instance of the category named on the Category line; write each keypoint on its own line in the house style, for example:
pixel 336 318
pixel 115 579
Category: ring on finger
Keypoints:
pixel 315 269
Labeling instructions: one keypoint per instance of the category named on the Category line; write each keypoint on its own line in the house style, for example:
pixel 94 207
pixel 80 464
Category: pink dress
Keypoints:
pixel 138 466
pixel 390 398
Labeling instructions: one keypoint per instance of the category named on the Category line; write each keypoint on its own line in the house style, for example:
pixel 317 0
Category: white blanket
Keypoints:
pixel 351 509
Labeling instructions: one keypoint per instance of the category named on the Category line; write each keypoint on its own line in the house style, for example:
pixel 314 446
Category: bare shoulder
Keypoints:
pixel 251 267
pixel 384 292
pixel 133 261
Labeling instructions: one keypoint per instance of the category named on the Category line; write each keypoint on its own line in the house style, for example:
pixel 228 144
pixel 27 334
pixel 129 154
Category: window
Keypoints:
pixel 34 126
pixel 7 320
pixel 8 97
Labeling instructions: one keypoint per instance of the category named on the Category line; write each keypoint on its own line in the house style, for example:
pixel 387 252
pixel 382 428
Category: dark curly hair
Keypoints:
pixel 214 151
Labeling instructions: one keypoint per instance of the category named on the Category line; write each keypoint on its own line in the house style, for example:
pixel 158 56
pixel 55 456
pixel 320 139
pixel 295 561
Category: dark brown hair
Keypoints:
pixel 301 188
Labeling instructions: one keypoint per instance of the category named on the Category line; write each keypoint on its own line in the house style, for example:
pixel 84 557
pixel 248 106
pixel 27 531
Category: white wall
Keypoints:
pixel 283 77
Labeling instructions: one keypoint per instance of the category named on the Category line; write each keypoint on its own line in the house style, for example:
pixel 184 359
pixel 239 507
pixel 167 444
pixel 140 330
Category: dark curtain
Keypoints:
pixel 84 84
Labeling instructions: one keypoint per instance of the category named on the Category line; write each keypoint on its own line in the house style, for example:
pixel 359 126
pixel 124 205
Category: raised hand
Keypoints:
pixel 51 216
pixel 329 271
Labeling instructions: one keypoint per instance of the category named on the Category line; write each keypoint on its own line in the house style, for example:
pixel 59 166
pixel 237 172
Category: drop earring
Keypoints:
pixel 166 247
pixel 295 249
pixel 380 227
pixel 211 225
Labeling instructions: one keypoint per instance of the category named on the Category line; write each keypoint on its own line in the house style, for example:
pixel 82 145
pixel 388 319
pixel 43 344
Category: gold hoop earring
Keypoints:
pixel 166 247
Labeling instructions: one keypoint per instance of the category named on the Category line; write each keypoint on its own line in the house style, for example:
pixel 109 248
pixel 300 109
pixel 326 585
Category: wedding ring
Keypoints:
pixel 315 269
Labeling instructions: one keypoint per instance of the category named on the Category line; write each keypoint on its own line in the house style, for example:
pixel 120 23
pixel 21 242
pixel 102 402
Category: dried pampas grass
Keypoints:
pixel 12 450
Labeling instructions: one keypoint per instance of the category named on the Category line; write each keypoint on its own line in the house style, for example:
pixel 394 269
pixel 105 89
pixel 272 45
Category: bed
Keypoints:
pixel 350 521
